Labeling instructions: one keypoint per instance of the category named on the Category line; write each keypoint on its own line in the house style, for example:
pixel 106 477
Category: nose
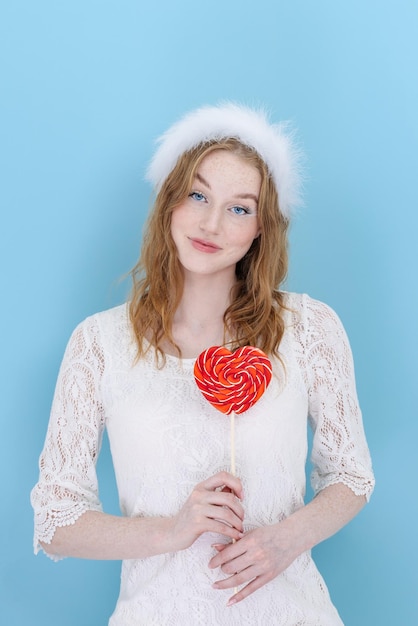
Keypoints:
pixel 211 220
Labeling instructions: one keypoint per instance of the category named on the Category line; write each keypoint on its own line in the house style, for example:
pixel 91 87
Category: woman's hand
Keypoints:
pixel 213 506
pixel 258 557
pixel 264 553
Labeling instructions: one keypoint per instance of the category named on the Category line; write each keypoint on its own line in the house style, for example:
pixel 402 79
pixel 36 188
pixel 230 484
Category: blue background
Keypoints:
pixel 86 87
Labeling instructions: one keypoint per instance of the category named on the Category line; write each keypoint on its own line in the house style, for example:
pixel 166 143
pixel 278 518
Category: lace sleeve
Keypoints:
pixel 339 452
pixel 67 485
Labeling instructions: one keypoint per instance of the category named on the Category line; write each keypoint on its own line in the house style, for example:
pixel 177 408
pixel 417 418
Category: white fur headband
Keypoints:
pixel 273 142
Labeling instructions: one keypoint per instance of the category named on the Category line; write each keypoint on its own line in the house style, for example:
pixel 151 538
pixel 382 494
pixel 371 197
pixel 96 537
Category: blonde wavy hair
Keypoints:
pixel 255 316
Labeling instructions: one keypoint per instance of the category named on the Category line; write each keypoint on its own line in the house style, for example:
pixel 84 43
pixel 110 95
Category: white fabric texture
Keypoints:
pixel 165 437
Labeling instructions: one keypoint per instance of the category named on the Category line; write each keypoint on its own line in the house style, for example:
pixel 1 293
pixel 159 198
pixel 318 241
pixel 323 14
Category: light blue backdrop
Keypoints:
pixel 86 86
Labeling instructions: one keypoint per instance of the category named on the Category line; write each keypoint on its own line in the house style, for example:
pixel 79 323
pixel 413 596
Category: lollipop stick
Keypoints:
pixel 233 469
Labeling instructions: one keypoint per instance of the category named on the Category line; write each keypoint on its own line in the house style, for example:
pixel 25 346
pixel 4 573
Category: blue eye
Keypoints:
pixel 196 195
pixel 239 210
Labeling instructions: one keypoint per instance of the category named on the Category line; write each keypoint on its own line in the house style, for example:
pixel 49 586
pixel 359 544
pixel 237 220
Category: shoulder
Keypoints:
pixel 116 317
pixel 111 324
pixel 312 318
pixel 303 305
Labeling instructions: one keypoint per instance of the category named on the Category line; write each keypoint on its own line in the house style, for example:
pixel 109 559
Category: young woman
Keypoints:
pixel 200 545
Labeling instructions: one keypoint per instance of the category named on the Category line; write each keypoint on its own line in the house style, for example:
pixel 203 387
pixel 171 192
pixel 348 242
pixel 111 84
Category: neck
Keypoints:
pixel 198 321
pixel 204 299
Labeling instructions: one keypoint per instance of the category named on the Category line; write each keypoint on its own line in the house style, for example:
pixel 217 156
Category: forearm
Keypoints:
pixel 98 535
pixel 325 515
pixel 213 506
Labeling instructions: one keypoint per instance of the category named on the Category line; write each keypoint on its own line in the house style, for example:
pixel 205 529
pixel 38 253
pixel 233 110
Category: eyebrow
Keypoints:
pixel 242 196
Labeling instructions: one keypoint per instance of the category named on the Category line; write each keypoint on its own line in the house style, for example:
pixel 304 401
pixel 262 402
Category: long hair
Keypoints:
pixel 255 316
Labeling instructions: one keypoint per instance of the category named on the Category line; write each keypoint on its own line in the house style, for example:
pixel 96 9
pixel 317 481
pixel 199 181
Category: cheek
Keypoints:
pixel 243 243
pixel 180 216
pixel 250 234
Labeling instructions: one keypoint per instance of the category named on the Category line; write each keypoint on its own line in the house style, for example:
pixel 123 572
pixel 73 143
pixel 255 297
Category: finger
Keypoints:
pixel 245 576
pixel 222 480
pixel 227 519
pixel 216 526
pixel 225 515
pixel 216 505
pixel 207 517
pixel 252 586
pixel 235 565
pixel 228 553
pixel 227 500
pixel 248 577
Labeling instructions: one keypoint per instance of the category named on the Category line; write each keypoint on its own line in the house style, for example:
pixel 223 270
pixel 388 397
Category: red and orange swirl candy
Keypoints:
pixel 232 381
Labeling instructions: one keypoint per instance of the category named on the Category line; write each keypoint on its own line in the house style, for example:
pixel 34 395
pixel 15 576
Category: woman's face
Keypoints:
pixel 214 227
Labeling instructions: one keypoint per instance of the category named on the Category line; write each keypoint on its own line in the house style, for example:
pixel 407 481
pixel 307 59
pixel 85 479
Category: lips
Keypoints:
pixel 204 246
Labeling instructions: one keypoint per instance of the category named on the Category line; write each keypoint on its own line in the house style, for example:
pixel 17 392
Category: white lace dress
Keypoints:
pixel 165 437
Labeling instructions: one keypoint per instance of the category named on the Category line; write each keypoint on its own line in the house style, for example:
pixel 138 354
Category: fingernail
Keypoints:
pixel 231 601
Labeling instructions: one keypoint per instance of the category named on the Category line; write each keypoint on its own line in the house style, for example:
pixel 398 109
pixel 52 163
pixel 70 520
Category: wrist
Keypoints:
pixel 154 536
pixel 299 532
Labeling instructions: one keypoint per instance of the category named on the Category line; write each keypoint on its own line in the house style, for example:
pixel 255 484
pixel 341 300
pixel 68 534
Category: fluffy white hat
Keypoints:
pixel 273 142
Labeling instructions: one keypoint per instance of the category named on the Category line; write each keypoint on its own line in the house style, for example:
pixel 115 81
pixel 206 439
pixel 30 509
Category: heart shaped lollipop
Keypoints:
pixel 232 381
